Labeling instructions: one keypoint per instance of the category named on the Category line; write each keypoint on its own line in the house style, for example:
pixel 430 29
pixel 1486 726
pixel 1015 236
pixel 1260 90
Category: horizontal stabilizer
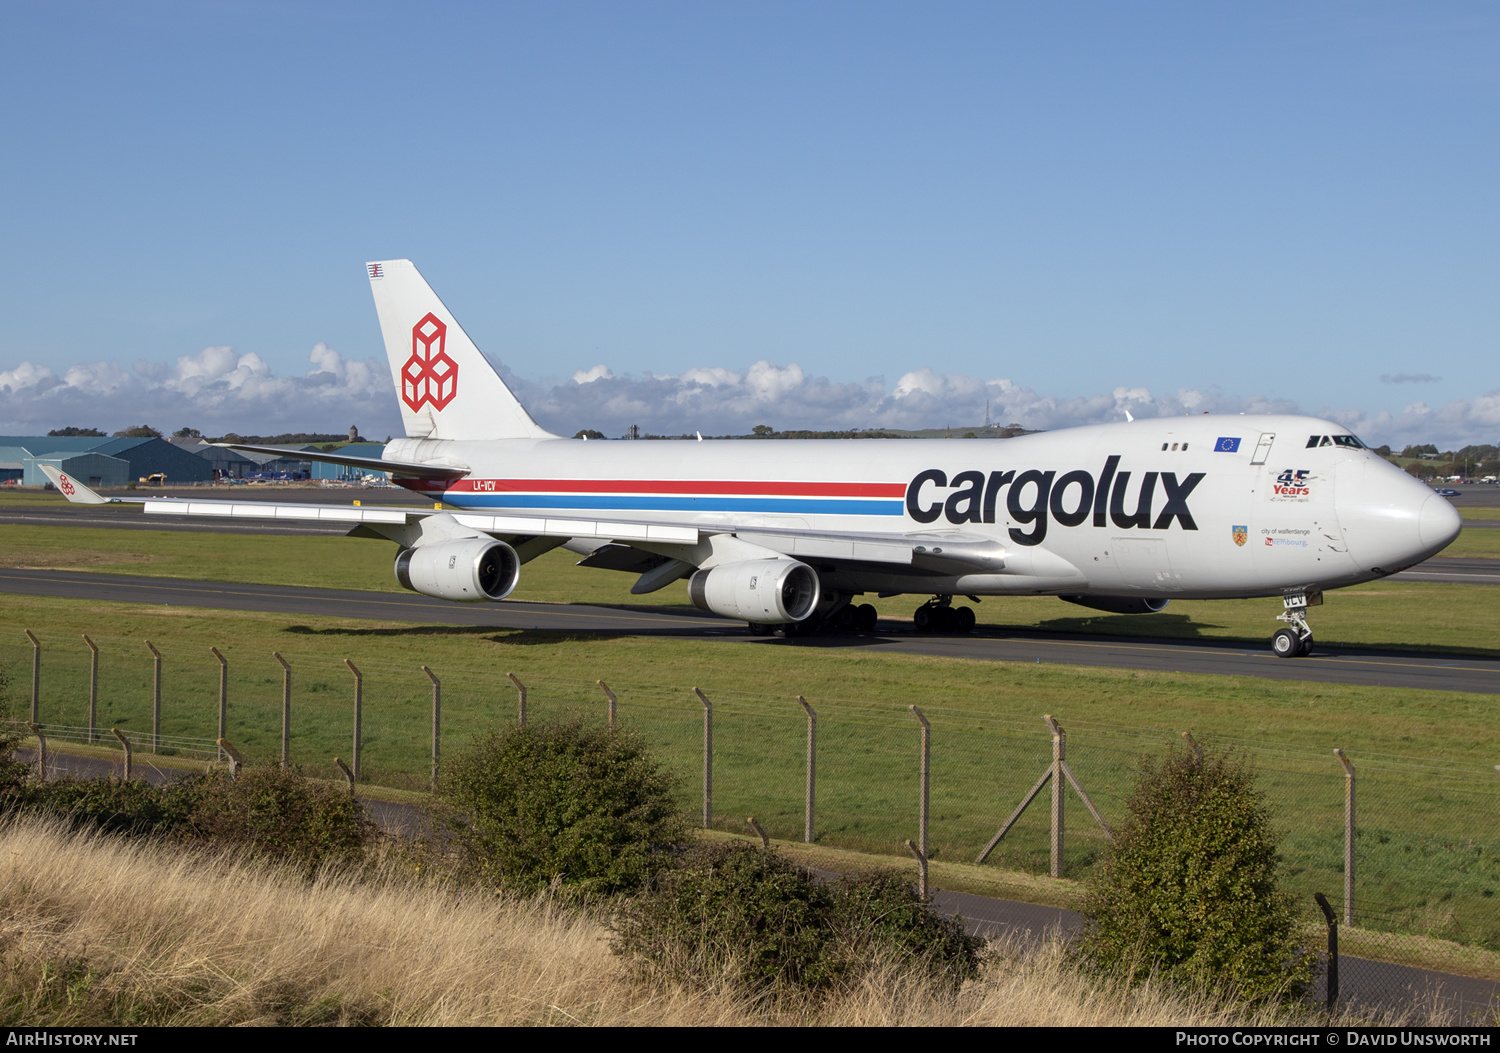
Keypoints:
pixel 370 464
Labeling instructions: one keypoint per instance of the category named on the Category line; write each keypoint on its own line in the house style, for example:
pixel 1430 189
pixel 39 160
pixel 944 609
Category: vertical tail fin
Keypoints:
pixel 445 387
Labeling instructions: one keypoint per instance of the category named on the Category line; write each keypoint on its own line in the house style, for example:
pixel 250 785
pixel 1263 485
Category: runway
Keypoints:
pixel 987 643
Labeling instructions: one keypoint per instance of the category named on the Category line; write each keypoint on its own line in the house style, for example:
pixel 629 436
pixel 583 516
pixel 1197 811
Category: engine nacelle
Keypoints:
pixel 767 591
pixel 467 570
pixel 1119 604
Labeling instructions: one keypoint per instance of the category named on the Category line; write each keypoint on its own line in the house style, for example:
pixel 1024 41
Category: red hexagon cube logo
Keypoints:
pixel 429 375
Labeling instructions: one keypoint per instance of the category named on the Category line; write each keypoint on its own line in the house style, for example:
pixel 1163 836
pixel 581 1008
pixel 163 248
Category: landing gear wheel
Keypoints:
pixel 943 619
pixel 922 619
pixel 761 629
pixel 865 616
pixel 1307 646
pixel 1287 643
pixel 963 620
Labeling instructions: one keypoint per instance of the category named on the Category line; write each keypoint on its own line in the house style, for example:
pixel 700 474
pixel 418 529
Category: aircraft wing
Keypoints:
pixel 371 464
pixel 931 551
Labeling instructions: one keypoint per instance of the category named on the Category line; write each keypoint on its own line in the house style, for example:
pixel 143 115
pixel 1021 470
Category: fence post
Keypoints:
pixel 359 696
pixel 128 757
pixel 1059 754
pixel 754 824
pixel 921 868
pixel 223 699
pixel 613 705
pixel 41 750
pixel 520 699
pixel 155 697
pixel 708 757
pixel 286 710
pixel 1333 949
pixel 1348 836
pixel 812 769
pixel 236 762
pixel 437 710
pixel 93 685
pixel 36 677
pixel 1187 736
pixel 922 813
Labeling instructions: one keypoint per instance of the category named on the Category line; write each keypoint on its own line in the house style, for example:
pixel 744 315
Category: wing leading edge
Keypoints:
pixel 937 552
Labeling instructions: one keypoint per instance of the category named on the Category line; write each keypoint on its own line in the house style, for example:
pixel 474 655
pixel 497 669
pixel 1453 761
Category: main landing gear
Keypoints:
pixel 938 615
pixel 850 617
pixel 1296 640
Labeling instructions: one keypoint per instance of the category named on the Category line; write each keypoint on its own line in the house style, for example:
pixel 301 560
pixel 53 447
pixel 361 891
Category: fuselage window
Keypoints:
pixel 1184 447
pixel 1163 447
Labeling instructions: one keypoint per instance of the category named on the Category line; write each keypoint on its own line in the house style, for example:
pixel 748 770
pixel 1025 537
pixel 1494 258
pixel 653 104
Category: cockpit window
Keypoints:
pixel 1335 440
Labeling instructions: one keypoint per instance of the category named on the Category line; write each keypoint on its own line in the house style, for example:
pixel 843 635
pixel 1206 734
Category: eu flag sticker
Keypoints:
pixel 1227 445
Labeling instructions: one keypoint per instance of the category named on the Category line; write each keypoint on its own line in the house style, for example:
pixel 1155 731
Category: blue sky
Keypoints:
pixel 802 213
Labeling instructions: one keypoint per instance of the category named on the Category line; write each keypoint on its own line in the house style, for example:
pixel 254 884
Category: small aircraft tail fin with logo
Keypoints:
pixel 445 387
pixel 71 488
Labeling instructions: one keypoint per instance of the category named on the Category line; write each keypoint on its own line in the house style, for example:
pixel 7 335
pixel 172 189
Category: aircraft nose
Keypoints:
pixel 1439 523
pixel 1390 520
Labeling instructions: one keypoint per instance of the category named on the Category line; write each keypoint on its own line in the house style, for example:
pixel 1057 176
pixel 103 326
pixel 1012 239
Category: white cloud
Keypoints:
pixel 1459 423
pixel 588 376
pixel 220 389
pixel 26 375
pixel 216 390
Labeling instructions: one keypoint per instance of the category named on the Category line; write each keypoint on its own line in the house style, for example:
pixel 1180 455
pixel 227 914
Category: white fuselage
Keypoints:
pixel 1195 507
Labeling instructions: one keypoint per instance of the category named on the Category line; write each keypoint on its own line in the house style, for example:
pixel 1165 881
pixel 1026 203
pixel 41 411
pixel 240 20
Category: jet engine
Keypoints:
pixel 1119 604
pixel 766 591
pixel 468 570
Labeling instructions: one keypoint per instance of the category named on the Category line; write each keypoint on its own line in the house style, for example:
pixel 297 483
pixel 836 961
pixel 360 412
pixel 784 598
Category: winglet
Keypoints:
pixel 71 488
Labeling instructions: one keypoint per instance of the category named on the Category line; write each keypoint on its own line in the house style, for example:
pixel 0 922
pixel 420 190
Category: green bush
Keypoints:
pixel 274 813
pixel 882 917
pixel 749 918
pixel 567 804
pixel 114 807
pixel 281 815
pixel 1187 892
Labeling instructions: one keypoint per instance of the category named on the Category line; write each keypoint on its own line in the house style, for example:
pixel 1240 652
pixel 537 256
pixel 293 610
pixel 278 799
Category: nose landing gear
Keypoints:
pixel 1296 640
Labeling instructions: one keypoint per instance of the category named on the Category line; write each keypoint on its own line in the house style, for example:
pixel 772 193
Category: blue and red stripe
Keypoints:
pixel 682 495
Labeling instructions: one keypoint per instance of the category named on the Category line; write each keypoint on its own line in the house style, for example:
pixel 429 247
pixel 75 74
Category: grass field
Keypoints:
pixel 1427 864
pixel 103 931
pixel 1483 542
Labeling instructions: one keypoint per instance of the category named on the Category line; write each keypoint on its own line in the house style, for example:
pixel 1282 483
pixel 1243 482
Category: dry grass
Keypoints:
pixel 106 931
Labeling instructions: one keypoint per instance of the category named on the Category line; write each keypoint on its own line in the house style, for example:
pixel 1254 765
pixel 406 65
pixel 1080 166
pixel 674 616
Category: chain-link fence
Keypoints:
pixel 1422 835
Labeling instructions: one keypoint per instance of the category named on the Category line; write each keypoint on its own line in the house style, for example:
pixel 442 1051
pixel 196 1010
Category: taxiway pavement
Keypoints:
pixel 986 643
